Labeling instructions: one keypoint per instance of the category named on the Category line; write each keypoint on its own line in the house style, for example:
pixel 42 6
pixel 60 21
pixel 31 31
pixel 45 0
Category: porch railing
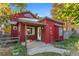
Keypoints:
pixel 6 39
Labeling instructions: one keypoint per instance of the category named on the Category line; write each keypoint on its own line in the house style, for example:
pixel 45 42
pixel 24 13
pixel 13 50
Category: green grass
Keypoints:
pixel 67 43
pixel 47 54
pixel 19 50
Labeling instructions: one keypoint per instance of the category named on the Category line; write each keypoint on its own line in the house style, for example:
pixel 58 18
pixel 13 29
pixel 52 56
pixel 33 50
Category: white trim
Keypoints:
pixel 38 33
pixel 59 24
pixel 13 22
pixel 33 30
pixel 14 27
pixel 28 20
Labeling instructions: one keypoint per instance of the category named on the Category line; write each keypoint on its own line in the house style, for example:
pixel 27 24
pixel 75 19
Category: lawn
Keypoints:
pixel 67 43
pixel 47 54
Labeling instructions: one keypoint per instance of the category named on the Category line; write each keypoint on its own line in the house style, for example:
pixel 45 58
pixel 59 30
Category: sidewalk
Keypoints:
pixel 45 48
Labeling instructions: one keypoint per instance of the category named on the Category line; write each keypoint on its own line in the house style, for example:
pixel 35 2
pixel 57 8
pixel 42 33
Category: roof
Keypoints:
pixel 33 19
pixel 30 20
pixel 55 20
pixel 15 16
pixel 47 18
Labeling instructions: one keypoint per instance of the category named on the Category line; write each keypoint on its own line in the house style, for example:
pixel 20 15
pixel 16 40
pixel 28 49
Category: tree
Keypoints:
pixel 5 12
pixel 21 6
pixel 67 12
pixel 5 9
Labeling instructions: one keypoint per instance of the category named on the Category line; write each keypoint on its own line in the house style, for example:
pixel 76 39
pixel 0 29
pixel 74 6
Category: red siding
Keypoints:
pixel 56 33
pixel 61 38
pixel 22 32
pixel 50 31
pixel 14 33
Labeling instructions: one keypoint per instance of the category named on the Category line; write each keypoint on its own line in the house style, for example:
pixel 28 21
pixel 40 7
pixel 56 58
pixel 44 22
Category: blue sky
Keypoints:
pixel 42 9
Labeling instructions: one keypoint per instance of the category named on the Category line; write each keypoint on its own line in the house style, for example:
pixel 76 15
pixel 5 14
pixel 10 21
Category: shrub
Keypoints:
pixel 19 50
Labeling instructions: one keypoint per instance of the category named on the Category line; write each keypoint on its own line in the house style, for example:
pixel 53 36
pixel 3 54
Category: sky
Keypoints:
pixel 42 9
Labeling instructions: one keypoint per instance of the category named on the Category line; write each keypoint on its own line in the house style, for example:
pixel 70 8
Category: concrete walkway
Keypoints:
pixel 40 47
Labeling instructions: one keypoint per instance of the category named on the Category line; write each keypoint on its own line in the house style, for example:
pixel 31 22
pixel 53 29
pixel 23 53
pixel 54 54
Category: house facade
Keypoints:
pixel 30 27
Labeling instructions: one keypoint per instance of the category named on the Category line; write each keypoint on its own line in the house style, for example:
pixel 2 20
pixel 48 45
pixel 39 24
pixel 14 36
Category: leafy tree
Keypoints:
pixel 67 12
pixel 21 6
pixel 5 12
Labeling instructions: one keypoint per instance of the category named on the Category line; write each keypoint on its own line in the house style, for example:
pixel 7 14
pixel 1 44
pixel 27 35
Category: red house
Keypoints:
pixel 27 25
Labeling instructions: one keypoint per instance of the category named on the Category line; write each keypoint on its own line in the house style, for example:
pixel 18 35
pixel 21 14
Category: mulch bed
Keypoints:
pixel 5 51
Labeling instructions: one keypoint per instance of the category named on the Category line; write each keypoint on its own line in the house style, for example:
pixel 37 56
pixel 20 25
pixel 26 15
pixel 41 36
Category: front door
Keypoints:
pixel 38 33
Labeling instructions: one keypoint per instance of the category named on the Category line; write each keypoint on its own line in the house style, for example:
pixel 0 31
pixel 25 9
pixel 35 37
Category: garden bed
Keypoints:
pixel 5 51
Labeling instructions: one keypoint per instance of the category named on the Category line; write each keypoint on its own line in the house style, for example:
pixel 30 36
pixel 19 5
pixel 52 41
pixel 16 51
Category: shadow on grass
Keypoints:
pixel 47 54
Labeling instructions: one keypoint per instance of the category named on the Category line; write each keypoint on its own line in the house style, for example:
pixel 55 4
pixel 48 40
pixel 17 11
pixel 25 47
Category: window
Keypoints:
pixel 14 27
pixel 31 30
pixel 60 31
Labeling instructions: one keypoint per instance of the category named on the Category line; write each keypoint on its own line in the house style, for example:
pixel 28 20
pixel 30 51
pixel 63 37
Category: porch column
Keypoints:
pixel 22 32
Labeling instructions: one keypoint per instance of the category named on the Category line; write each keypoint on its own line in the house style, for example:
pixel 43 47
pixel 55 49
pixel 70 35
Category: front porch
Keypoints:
pixel 33 33
pixel 30 30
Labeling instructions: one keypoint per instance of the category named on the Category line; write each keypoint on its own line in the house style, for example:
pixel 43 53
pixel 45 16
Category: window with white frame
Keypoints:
pixel 60 31
pixel 31 30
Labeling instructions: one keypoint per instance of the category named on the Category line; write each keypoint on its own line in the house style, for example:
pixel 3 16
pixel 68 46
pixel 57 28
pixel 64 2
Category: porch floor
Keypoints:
pixel 35 44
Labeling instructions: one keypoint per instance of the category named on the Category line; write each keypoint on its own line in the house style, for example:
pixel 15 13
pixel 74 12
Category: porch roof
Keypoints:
pixel 31 21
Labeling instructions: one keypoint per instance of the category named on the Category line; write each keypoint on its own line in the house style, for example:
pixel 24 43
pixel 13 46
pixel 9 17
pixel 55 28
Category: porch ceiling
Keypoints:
pixel 31 21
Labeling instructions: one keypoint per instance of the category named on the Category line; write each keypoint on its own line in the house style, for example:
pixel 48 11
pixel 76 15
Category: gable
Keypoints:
pixel 23 15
